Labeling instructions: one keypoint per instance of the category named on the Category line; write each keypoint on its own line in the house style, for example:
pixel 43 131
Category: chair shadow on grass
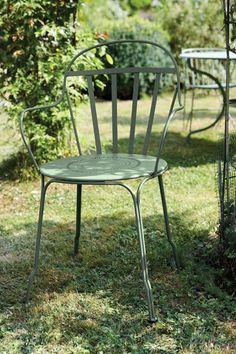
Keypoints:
pixel 108 254
pixel 177 153
pixel 102 288
pixel 103 285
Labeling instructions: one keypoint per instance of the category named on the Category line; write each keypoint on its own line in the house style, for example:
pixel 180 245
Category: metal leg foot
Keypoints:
pixel 139 223
pixel 167 225
pixel 30 286
pixel 153 320
pixel 78 219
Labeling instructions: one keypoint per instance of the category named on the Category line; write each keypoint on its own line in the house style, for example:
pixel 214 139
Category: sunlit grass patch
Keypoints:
pixel 95 302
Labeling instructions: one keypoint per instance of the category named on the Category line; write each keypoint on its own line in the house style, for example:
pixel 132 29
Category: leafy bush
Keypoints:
pixel 135 55
pixel 140 4
pixel 98 14
pixel 191 23
pixel 37 40
pixel 135 5
pixel 227 249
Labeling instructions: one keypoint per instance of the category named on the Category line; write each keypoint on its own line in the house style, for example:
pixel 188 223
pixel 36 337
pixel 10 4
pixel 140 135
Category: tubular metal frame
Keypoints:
pixel 136 196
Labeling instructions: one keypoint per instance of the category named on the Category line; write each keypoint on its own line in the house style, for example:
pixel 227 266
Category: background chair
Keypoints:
pixel 111 168
pixel 204 74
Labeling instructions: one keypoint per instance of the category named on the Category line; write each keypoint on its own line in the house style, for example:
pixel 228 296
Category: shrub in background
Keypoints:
pixel 140 4
pixel 227 252
pixel 100 13
pixel 135 5
pixel 135 55
pixel 191 23
pixel 37 39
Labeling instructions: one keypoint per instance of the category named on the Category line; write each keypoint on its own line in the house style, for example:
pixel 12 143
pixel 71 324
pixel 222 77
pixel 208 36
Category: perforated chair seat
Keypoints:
pixel 102 167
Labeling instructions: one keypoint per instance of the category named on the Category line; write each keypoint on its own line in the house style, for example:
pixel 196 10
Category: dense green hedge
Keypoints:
pixel 135 55
pixel 136 4
pixel 191 23
pixel 37 40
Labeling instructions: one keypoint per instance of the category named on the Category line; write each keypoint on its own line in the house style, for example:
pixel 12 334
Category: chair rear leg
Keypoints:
pixel 190 116
pixel 139 223
pixel 78 219
pixel 184 111
pixel 167 225
pixel 38 239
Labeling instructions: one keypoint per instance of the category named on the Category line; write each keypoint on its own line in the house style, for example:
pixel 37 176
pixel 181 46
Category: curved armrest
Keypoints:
pixel 22 130
pixel 172 113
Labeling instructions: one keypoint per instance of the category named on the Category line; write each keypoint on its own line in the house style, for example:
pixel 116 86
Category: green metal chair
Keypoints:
pixel 112 168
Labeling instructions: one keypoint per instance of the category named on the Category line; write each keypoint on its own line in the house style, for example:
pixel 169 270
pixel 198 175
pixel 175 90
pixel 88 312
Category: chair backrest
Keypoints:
pixel 77 73
pixel 215 67
pixel 113 73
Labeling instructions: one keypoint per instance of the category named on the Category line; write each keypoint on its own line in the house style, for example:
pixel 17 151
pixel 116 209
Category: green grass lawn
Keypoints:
pixel 95 303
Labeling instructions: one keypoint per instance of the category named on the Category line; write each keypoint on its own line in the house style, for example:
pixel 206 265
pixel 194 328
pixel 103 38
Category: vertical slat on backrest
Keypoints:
pixel 217 70
pixel 188 72
pixel 205 67
pixel 220 65
pixel 210 68
pixel 201 67
pixel 151 115
pixel 114 113
pixel 192 73
pixel 202 64
pixel 197 75
pixel 134 113
pixel 94 115
pixel 73 123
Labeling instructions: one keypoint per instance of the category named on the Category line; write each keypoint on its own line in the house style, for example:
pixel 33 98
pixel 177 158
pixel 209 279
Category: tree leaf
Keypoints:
pixel 109 59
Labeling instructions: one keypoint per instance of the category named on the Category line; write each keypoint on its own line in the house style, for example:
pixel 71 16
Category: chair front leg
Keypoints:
pixel 167 225
pixel 38 239
pixel 78 219
pixel 139 223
